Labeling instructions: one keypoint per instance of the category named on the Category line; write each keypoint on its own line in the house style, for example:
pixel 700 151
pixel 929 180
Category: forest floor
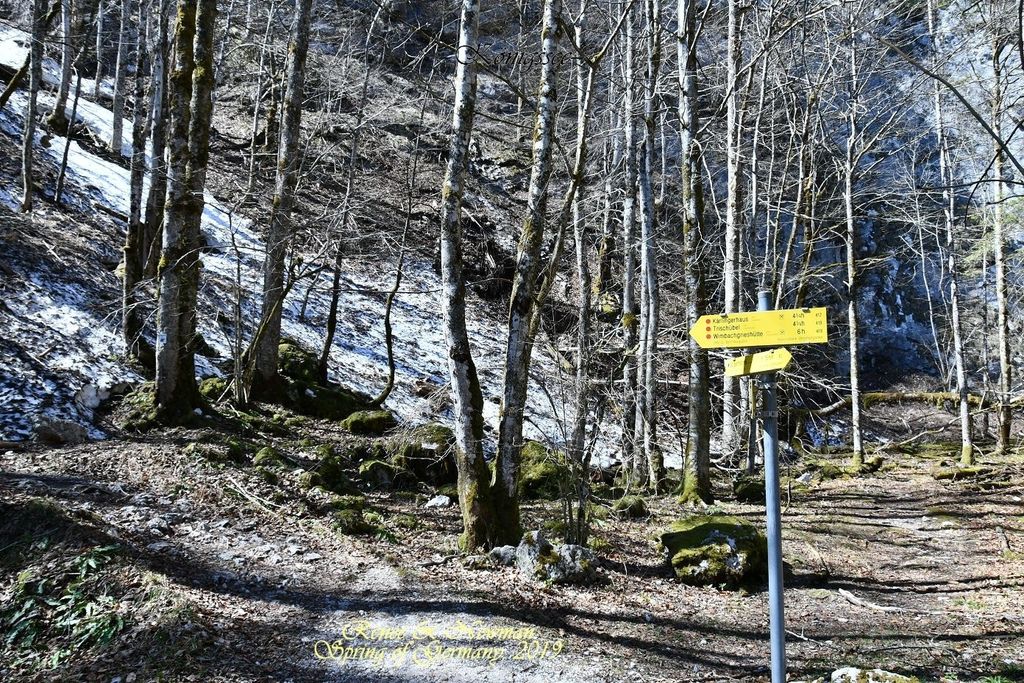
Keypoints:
pixel 138 559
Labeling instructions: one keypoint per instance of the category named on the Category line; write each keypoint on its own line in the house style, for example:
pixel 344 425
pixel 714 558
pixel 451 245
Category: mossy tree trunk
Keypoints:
pixel 474 476
pixel 696 483
pixel 178 271
pixel 523 300
pixel 268 336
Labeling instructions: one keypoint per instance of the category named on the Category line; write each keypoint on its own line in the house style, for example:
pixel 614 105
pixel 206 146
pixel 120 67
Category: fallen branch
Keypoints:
pixel 434 563
pixel 869 399
pixel 265 504
pixel 860 602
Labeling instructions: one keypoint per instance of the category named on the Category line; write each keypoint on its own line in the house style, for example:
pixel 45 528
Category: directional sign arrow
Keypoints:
pixel 761 328
pixel 765 361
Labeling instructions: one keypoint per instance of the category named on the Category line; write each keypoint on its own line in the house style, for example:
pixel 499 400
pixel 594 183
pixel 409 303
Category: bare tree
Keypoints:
pixel 524 300
pixel 121 76
pixel 190 112
pixel 268 333
pixel 696 482
pixel 475 500
pixel 35 82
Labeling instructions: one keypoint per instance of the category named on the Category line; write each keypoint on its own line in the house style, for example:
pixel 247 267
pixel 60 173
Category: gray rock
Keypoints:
pixel 503 555
pixel 477 562
pixel 538 560
pixel 438 502
pixel 55 431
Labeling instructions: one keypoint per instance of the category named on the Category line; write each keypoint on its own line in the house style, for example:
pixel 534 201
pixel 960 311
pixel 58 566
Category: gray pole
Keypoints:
pixel 774 515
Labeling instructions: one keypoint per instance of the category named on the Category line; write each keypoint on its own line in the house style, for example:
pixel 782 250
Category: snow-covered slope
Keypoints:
pixel 72 332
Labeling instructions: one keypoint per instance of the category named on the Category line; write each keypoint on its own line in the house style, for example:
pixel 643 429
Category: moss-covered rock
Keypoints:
pixel 749 489
pixel 267 457
pixel 405 521
pixel 378 473
pixel 350 521
pixel 825 470
pixel 347 502
pixel 140 409
pixel 268 475
pixel 427 452
pixel 369 422
pixel 715 550
pixel 295 362
pixel 538 560
pixel 333 476
pixel 213 389
pixel 630 507
pixel 540 473
pixel 328 403
pixel 308 480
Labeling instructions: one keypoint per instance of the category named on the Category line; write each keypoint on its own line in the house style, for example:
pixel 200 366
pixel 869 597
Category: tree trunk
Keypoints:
pixel 58 119
pixel 268 334
pixel 101 15
pixel 999 254
pixel 153 226
pixel 629 306
pixel 120 76
pixel 696 483
pixel 731 417
pixel 178 272
pixel 851 257
pixel 948 216
pixel 35 81
pixel 475 500
pixel 646 412
pixel 523 299
pixel 346 207
pixel 134 258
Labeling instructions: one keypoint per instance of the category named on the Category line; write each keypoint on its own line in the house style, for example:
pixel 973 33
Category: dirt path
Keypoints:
pixel 898 571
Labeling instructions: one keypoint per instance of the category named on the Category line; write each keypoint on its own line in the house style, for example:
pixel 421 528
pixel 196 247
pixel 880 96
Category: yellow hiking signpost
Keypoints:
pixel 766 361
pixel 766 328
pixel 761 328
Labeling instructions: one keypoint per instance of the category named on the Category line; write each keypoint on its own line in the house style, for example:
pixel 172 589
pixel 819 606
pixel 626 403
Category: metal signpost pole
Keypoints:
pixel 773 513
